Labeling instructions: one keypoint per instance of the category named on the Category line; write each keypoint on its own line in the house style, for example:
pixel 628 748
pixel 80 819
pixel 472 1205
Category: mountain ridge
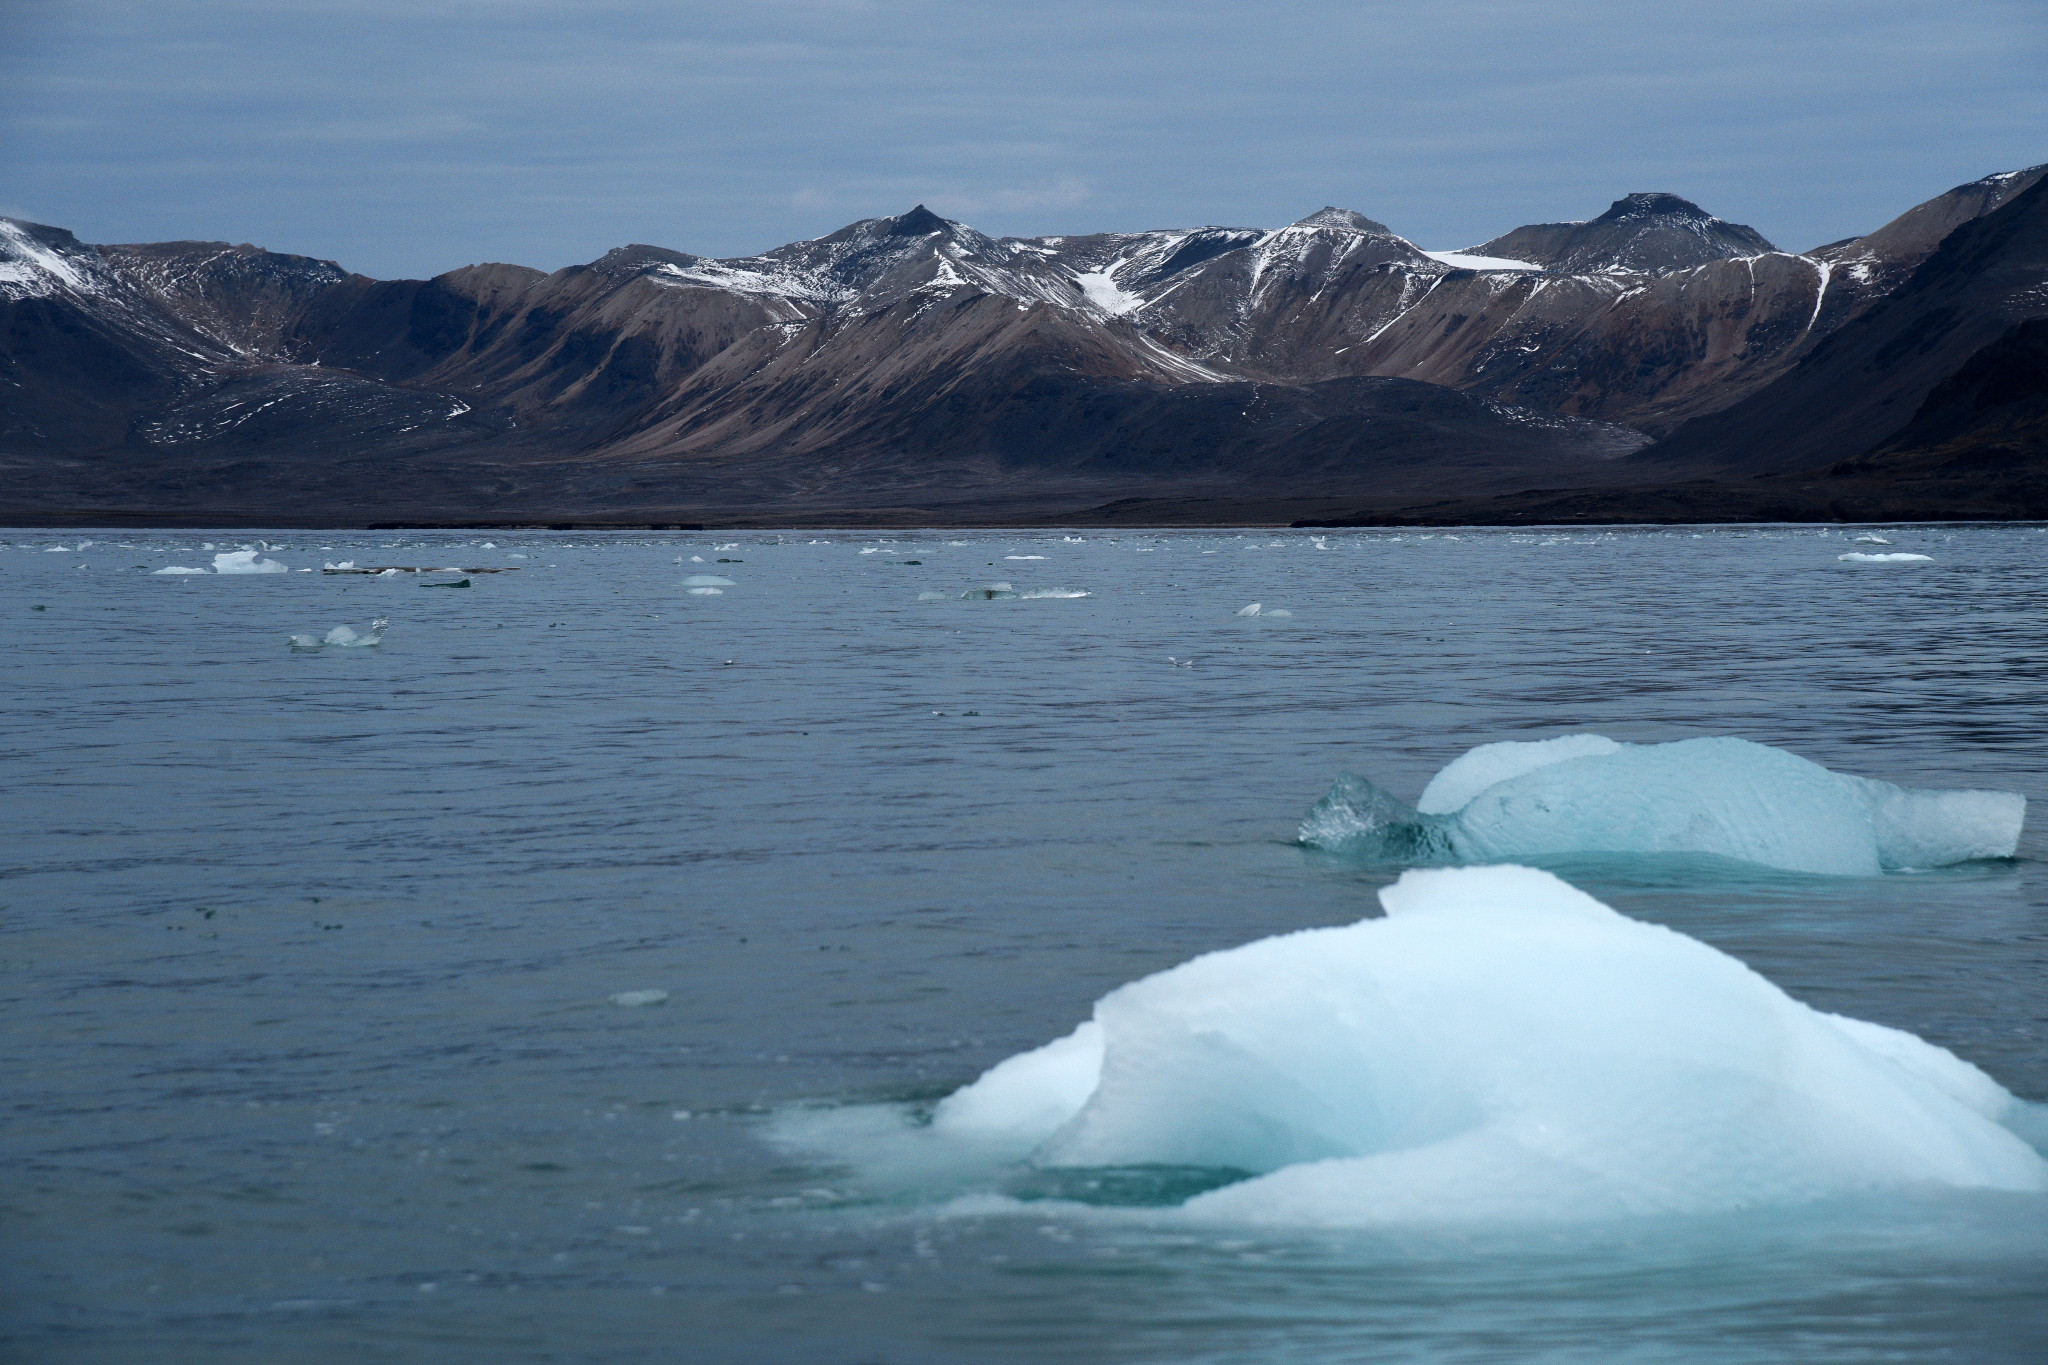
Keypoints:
pixel 906 358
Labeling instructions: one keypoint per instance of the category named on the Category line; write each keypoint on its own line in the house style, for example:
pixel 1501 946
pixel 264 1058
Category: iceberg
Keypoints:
pixel 1727 797
pixel 245 561
pixel 1499 1047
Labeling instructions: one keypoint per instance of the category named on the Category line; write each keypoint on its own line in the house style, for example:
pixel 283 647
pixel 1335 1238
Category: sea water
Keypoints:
pixel 457 999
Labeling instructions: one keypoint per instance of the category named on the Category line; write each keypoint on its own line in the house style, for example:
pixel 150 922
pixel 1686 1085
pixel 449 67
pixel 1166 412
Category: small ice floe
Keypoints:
pixel 345 564
pixel 988 592
pixel 638 999
pixel 929 596
pixel 733 545
pixel 1053 592
pixel 245 561
pixel 1252 610
pixel 344 637
pixel 1899 557
pixel 178 569
pixel 58 550
pixel 1872 540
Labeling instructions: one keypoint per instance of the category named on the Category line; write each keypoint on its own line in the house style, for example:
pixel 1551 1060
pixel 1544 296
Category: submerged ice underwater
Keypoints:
pixel 1501 1046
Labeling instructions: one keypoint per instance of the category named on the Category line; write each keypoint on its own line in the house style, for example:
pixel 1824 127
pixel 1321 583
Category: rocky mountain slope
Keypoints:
pixel 912 368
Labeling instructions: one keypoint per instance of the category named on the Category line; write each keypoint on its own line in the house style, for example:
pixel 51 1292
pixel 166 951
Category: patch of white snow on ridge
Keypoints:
pixel 34 265
pixel 1105 293
pixel 1465 260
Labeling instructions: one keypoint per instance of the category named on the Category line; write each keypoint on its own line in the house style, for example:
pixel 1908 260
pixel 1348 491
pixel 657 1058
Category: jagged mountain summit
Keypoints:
pixel 910 366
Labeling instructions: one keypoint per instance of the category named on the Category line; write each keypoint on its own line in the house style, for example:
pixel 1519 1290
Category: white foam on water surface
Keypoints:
pixel 1500 1048
pixel 639 999
pixel 344 637
pixel 1727 797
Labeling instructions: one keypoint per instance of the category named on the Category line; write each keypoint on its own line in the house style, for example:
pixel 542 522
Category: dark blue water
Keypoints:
pixel 306 958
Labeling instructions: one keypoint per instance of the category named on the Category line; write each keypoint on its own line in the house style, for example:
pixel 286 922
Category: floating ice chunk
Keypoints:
pixel 1500 1047
pixel 1029 1096
pixel 1727 797
pixel 1473 771
pixel 1054 592
pixel 178 569
pixel 1898 557
pixel 637 999
pixel 345 564
pixel 245 561
pixel 1252 610
pixel 708 580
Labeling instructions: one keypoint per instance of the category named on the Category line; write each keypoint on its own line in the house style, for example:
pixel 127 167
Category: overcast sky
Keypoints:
pixel 407 137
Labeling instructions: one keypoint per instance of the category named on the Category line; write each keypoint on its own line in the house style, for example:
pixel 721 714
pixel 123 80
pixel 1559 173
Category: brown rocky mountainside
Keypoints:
pixel 912 369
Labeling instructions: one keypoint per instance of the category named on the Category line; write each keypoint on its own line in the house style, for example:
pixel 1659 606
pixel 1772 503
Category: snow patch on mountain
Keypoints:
pixel 30 269
pixel 1465 260
pixel 1105 293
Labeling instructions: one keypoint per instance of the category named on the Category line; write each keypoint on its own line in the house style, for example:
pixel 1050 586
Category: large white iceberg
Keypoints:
pixel 1728 797
pixel 1500 1047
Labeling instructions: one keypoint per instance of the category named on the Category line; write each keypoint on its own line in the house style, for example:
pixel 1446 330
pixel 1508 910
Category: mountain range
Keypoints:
pixel 1651 363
